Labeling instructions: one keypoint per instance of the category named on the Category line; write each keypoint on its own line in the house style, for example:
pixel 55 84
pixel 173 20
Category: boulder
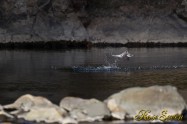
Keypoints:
pixel 47 115
pixel 85 109
pixel 155 99
pixel 39 109
pixel 26 102
pixel 3 113
pixel 114 21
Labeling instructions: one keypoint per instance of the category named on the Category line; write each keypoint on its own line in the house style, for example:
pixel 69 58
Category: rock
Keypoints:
pixel 182 10
pixel 39 109
pixel 3 113
pixel 6 123
pixel 85 109
pixel 46 114
pixel 26 102
pixel 61 6
pixel 129 102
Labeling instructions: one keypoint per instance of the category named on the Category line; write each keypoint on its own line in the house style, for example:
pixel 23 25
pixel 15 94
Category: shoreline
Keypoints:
pixel 58 45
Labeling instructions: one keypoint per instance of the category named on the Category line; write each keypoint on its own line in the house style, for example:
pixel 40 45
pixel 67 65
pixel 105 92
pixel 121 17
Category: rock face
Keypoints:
pixel 39 20
pixel 182 10
pixel 110 21
pixel 85 110
pixel 129 102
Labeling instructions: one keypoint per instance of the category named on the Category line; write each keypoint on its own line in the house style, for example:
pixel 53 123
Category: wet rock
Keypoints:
pixel 129 102
pixel 85 109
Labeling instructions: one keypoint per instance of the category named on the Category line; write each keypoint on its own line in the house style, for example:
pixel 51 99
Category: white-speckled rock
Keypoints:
pixel 129 102
pixel 85 109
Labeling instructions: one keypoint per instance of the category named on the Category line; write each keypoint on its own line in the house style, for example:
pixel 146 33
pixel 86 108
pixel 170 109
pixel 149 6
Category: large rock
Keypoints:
pixel 85 109
pixel 47 114
pixel 129 102
pixel 39 109
pixel 26 102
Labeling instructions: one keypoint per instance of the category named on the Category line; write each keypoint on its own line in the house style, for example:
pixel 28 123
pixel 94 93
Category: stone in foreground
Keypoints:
pixel 47 115
pixel 39 109
pixel 85 109
pixel 3 113
pixel 129 102
pixel 27 101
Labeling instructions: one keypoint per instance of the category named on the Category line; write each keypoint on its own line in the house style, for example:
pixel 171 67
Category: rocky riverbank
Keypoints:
pixel 155 103
pixel 110 21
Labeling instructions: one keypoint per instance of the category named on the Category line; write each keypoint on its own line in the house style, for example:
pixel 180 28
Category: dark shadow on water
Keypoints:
pixel 65 45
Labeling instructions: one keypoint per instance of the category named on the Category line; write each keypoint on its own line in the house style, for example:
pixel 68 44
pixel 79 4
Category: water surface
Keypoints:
pixel 51 73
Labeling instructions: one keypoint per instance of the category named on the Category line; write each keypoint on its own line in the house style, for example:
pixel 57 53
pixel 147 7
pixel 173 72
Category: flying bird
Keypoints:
pixel 126 53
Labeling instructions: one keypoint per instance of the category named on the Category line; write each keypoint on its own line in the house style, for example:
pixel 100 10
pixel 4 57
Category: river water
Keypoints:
pixel 88 73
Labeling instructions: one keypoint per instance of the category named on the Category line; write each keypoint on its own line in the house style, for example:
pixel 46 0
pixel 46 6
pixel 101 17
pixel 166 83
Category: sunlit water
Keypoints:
pixel 88 73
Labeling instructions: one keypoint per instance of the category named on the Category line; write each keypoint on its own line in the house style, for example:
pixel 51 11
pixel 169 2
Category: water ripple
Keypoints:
pixel 121 69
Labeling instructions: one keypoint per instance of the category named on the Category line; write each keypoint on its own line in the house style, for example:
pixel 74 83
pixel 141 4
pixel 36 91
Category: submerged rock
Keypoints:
pixel 85 109
pixel 129 102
